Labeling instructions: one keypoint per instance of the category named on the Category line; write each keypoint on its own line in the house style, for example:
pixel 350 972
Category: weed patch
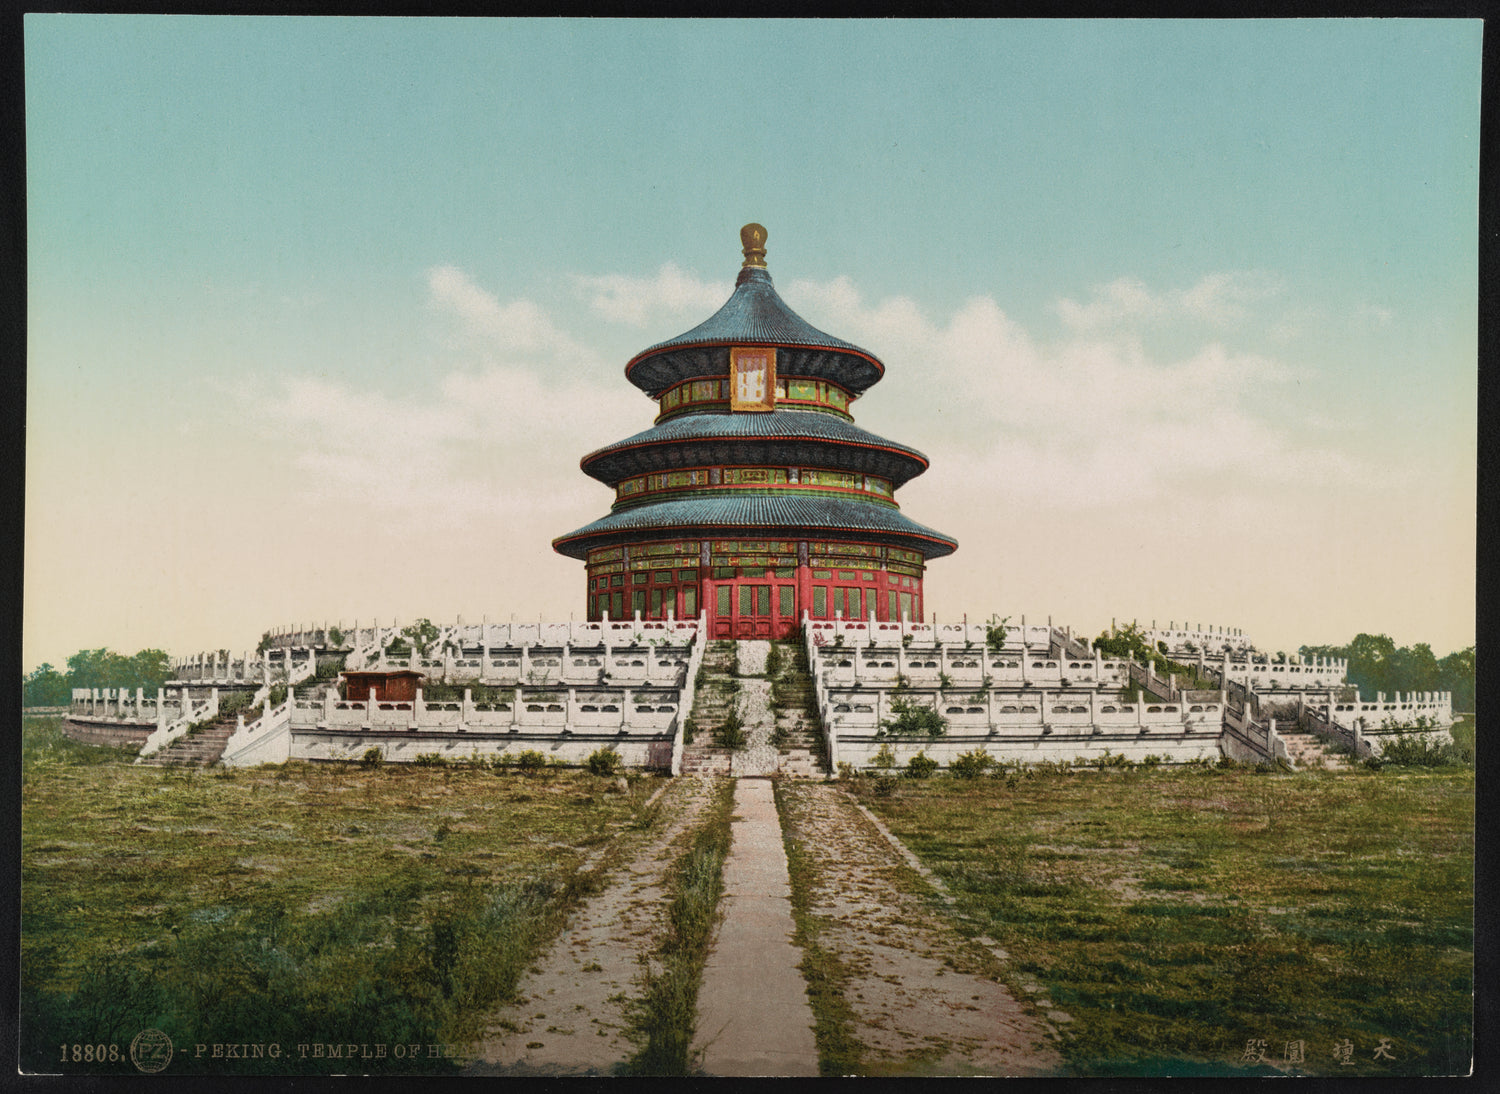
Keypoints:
pixel 663 1020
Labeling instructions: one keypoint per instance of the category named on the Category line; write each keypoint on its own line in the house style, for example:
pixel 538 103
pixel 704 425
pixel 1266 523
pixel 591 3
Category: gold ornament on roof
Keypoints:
pixel 753 240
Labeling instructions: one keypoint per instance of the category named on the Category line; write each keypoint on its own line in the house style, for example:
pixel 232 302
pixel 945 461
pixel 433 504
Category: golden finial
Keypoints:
pixel 753 239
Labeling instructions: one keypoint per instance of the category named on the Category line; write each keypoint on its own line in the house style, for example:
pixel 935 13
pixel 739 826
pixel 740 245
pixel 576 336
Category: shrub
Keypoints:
pixel 731 734
pixel 884 786
pixel 971 765
pixel 689 730
pixel 1415 746
pixel 373 757
pixel 1151 761
pixel 431 759
pixel 773 662
pixel 531 760
pixel 921 766
pixel 885 759
pixel 604 761
pixel 234 703
pixel 912 720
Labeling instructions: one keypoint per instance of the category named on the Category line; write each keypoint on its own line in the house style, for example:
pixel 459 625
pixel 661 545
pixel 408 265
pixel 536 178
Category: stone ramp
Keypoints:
pixel 753 1013
pixel 571 1020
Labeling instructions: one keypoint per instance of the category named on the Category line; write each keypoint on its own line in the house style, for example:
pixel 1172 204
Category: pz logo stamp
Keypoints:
pixel 151 1051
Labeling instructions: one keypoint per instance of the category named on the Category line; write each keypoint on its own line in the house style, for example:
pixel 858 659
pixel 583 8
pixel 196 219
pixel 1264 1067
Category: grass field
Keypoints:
pixel 1190 921
pixel 293 905
pixel 1221 921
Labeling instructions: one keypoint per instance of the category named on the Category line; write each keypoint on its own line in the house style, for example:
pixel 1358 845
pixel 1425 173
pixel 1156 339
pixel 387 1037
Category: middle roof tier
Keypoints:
pixel 791 437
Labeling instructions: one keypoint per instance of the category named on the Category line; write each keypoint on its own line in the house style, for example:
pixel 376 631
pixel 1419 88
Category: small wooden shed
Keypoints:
pixel 398 685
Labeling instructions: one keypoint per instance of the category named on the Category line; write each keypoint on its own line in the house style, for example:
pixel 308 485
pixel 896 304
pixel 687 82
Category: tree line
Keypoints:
pixel 1377 664
pixel 100 668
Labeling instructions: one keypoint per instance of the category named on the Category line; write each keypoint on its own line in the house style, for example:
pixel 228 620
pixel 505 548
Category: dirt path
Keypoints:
pixel 915 1012
pixel 572 1019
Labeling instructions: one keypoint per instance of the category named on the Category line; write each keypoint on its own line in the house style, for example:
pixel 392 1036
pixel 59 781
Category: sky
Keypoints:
pixel 323 312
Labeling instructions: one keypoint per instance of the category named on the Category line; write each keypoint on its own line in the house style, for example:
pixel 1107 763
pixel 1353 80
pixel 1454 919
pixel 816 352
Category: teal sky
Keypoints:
pixel 222 207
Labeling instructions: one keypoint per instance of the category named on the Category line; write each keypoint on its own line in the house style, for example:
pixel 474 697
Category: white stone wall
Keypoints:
pixel 1321 673
pixel 1211 640
pixel 559 747
pixel 860 750
pixel 630 696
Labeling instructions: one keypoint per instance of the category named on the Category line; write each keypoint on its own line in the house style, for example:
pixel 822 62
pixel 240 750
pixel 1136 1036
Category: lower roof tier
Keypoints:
pixel 777 516
pixel 781 436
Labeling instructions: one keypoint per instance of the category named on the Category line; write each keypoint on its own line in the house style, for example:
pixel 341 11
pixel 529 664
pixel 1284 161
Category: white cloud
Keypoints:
pixel 502 439
pixel 1218 299
pixel 640 300
pixel 517 327
pixel 1090 420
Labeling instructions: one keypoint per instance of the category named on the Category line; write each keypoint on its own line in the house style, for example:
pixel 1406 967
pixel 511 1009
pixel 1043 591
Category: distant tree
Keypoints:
pixel 45 687
pixel 152 669
pixel 104 668
pixel 1456 674
pixel 1376 664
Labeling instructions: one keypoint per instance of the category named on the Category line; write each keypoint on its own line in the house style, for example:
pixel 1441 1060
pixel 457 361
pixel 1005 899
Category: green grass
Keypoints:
pixel 840 1051
pixel 290 904
pixel 1180 915
pixel 664 1018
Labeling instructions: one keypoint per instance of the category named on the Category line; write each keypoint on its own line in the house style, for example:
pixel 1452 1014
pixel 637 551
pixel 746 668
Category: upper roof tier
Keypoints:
pixel 754 315
pixel 791 437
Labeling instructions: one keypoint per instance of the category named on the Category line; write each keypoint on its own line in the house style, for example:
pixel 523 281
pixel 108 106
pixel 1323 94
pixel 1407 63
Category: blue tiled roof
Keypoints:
pixel 754 314
pixel 710 438
pixel 784 514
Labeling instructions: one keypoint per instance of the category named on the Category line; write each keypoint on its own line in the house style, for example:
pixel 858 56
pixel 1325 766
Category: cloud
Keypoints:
pixel 1218 299
pixel 639 300
pixel 1088 420
pixel 518 327
pixel 1091 419
pixel 504 438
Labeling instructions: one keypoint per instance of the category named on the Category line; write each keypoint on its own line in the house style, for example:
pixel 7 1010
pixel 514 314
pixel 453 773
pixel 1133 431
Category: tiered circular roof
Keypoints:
pixel 754 315
pixel 785 436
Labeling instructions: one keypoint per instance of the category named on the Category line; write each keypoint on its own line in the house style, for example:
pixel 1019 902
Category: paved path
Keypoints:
pixel 571 1020
pixel 753 1014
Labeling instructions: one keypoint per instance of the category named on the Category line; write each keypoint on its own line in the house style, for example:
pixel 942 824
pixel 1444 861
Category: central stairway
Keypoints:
pixel 767 686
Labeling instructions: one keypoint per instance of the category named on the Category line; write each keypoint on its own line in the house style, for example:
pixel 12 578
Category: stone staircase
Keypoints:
pixel 1305 749
pixel 800 738
pixel 712 701
pixel 201 749
pixel 797 749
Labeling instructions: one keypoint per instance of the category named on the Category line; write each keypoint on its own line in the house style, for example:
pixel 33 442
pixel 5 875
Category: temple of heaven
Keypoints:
pixel 754 496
